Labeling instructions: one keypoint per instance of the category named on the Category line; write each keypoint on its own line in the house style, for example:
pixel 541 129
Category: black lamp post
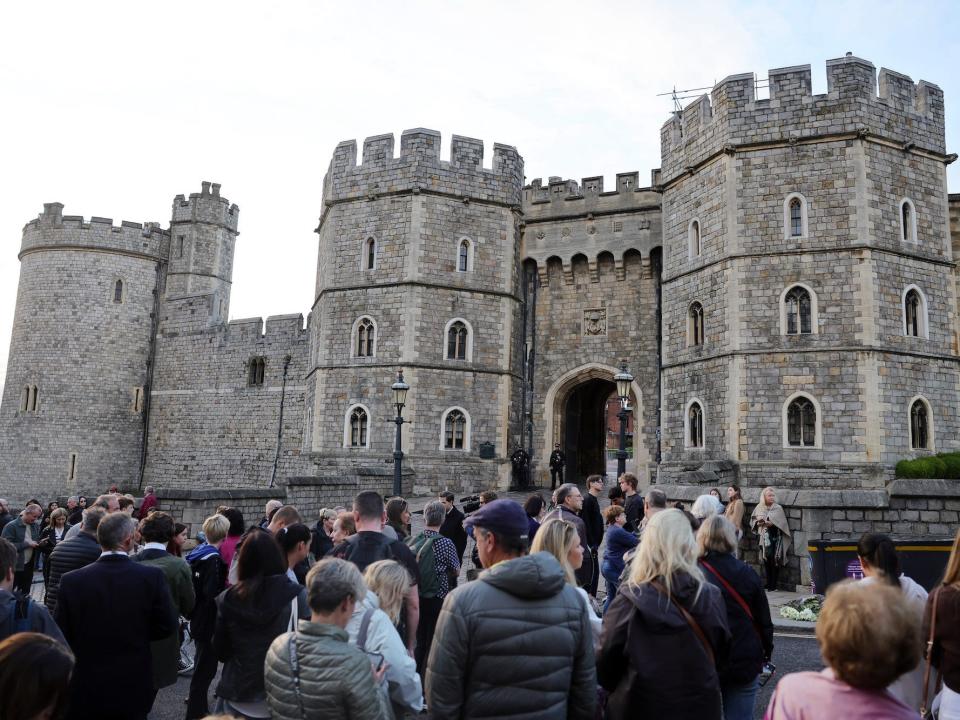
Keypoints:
pixel 400 389
pixel 623 380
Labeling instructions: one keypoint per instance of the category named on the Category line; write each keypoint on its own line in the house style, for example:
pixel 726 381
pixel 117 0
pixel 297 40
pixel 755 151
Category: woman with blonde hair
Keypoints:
pixel 677 631
pixel 53 533
pixel 372 628
pixel 561 539
pixel 769 522
pixel 941 624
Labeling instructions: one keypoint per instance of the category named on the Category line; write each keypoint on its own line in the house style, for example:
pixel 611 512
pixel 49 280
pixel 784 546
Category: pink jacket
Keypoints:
pixel 812 695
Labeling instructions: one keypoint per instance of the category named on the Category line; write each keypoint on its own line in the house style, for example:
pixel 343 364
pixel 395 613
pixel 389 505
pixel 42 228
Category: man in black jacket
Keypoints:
pixel 633 503
pixel 75 553
pixel 569 505
pixel 593 521
pixel 109 612
pixel 558 461
pixel 453 524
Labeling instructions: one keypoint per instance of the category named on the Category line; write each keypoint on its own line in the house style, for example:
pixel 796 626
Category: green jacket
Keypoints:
pixel 16 532
pixel 166 652
pixel 336 681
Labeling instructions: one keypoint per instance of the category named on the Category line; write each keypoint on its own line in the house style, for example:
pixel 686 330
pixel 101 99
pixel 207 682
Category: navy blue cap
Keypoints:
pixel 501 516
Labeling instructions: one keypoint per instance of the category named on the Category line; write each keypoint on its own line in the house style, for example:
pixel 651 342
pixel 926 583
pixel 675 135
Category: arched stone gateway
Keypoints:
pixel 574 414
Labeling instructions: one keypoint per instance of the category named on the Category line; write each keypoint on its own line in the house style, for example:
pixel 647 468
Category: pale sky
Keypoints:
pixel 112 108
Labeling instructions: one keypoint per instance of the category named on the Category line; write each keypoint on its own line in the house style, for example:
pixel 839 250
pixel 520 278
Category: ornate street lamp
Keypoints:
pixel 623 380
pixel 400 389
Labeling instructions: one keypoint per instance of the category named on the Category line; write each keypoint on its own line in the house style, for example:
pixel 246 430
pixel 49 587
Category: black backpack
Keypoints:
pixel 363 554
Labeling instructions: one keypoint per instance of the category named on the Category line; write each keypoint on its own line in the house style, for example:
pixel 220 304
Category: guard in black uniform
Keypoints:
pixel 558 461
pixel 521 468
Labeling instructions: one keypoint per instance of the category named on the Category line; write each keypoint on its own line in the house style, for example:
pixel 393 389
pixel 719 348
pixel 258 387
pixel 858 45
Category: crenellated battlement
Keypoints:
pixel 419 168
pixel 54 229
pixel 206 206
pixel 896 109
pixel 562 197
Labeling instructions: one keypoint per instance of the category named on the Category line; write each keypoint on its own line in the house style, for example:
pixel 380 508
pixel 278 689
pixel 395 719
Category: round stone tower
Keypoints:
pixel 72 415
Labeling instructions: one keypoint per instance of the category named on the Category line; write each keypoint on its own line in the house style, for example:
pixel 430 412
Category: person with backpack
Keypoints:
pixel 209 573
pixel 439 568
pixel 371 629
pixel 19 613
pixel 369 544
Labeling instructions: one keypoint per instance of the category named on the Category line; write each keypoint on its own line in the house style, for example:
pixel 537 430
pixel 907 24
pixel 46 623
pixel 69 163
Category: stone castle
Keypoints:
pixel 783 291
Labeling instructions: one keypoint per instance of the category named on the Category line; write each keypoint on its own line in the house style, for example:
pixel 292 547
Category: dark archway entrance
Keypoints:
pixel 585 429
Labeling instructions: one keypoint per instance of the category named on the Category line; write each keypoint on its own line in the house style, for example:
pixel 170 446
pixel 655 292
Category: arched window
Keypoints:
pixel 358 421
pixel 29 398
pixel 455 429
pixel 694 425
pixel 463 256
pixel 369 261
pixel 801 422
pixel 920 425
pixel 257 368
pixel 908 221
pixel 118 291
pixel 694 243
pixel 366 338
pixel 798 310
pixel 915 313
pixel 695 325
pixel 794 217
pixel 459 340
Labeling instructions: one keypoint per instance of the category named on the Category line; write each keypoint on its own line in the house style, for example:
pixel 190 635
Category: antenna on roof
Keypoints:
pixel 678 95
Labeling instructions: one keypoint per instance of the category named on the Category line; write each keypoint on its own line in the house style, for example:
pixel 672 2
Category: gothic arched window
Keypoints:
pixel 357 429
pixel 366 338
pixel 695 425
pixel 802 423
pixel 914 314
pixel 454 430
pixel 695 325
pixel 919 425
pixel 463 256
pixel 798 310
pixel 457 336
pixel 256 371
pixel 370 254
pixel 694 243
pixel 796 217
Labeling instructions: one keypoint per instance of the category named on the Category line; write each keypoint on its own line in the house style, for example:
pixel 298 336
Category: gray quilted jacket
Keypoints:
pixel 515 643
pixel 336 680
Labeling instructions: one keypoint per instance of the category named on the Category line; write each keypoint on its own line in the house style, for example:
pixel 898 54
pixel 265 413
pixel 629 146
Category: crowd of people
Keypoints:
pixel 355 615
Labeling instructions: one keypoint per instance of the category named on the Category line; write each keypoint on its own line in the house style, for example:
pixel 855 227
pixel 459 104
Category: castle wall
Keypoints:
pixel 209 427
pixel 86 431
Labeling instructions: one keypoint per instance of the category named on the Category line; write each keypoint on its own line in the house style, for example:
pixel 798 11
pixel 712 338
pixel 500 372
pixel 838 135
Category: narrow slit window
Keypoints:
pixel 796 218
pixel 696 246
pixel 695 425
pixel 371 254
pixel 919 426
pixel 913 309
pixel 463 256
pixel 72 468
pixel 118 291
pixel 906 217
pixel 695 321
pixel 180 240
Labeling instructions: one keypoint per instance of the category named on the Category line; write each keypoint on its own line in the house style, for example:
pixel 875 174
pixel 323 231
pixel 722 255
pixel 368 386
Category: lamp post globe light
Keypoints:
pixel 623 379
pixel 400 389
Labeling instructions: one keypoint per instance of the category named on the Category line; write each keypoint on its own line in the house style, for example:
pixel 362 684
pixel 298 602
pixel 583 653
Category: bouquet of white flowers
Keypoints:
pixel 806 609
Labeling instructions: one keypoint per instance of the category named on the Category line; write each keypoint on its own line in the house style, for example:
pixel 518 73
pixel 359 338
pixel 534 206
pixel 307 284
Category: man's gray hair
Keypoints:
pixel 32 508
pixel 73 498
pixel 563 491
pixel 92 517
pixel 114 529
pixel 434 513
pixel 148 489
pixel 330 582
pixel 656 498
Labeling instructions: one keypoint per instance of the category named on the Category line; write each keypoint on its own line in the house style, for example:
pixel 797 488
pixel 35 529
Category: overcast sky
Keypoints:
pixel 114 108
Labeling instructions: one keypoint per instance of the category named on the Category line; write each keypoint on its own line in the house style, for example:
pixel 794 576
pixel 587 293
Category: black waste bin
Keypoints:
pixel 923 560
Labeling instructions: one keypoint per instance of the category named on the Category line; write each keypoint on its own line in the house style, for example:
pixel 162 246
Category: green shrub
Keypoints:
pixel 939 466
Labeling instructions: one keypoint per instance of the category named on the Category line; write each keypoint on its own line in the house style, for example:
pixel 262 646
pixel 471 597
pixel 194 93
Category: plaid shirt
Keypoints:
pixel 447 562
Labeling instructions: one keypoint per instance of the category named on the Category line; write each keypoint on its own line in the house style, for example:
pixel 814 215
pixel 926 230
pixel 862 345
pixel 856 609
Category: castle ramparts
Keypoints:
pixel 560 198
pixel 54 230
pixel 206 206
pixel 419 168
pixel 909 114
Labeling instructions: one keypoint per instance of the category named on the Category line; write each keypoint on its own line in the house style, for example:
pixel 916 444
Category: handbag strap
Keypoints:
pixel 924 707
pixel 295 666
pixel 691 621
pixel 736 596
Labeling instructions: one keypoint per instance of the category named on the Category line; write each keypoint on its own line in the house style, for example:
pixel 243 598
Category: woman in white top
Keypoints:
pixel 560 539
pixel 372 629
pixel 878 558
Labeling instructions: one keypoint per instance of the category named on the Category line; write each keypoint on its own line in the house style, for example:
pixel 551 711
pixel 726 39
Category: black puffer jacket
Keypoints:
pixel 244 630
pixel 751 644
pixel 516 643
pixel 77 552
pixel 651 661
